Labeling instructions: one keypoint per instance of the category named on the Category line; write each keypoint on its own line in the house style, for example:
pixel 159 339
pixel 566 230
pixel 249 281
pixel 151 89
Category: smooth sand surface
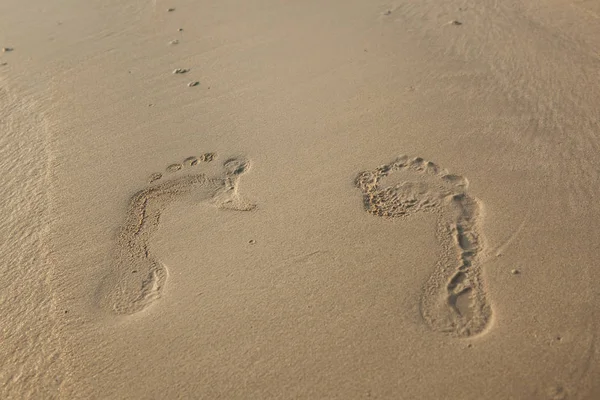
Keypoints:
pixel 269 199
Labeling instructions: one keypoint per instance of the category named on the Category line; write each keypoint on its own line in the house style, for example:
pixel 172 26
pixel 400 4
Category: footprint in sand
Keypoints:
pixel 138 277
pixel 454 299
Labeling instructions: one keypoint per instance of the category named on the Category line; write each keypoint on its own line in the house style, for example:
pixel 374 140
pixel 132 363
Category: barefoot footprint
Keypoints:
pixel 453 299
pixel 139 278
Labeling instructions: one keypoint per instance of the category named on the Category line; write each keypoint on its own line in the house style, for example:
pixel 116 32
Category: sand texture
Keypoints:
pixel 300 200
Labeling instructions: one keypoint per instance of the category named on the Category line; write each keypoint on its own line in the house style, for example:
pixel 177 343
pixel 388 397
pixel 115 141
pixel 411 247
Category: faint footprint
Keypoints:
pixel 139 277
pixel 454 299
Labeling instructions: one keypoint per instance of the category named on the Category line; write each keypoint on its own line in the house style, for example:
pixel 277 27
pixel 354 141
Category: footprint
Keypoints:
pixel 138 277
pixel 453 299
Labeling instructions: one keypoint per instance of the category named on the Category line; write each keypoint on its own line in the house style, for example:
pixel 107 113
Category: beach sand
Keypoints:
pixel 345 199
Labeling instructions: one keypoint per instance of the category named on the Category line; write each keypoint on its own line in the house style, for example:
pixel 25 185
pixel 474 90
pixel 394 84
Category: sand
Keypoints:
pixel 346 199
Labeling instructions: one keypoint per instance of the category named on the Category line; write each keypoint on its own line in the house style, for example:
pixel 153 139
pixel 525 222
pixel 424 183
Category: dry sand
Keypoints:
pixel 268 199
